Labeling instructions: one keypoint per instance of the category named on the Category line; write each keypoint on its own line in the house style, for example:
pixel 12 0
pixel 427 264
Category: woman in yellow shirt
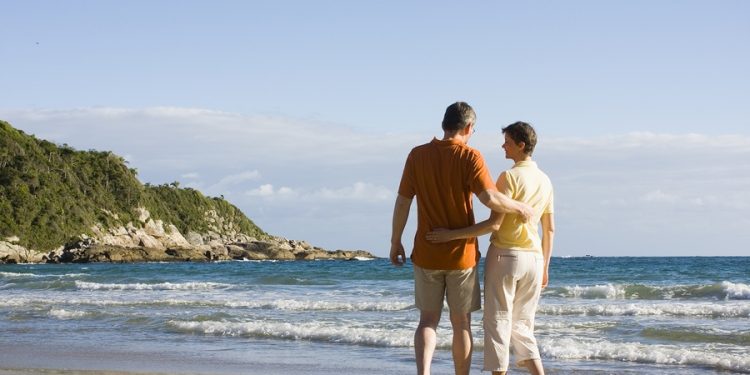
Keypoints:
pixel 517 264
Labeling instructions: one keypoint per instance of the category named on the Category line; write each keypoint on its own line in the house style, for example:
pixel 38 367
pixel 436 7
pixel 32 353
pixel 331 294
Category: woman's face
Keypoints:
pixel 512 149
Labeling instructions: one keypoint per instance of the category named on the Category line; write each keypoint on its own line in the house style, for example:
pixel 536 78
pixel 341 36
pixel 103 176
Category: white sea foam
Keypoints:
pixel 66 314
pixel 560 348
pixel 158 286
pixel 320 305
pixel 16 275
pixel 570 348
pixel 608 291
pixel 724 310
pixel 314 331
pixel 718 291
pixel 15 302
pixel 736 290
pixel 280 304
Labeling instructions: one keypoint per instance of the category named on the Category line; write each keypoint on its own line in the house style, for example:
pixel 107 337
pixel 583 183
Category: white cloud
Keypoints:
pixel 358 192
pixel 227 182
pixel 322 181
pixel 660 196
pixel 262 191
pixel 267 191
pixel 647 141
pixel 171 136
pixel 683 200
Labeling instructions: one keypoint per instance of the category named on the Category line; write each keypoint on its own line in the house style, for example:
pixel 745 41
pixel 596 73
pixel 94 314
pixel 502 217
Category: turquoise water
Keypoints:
pixel 598 316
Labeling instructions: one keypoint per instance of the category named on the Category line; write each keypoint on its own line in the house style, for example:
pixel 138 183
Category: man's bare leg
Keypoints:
pixel 462 343
pixel 425 339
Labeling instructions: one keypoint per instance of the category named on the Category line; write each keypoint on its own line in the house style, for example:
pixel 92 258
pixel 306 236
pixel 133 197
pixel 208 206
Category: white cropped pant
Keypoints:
pixel 513 282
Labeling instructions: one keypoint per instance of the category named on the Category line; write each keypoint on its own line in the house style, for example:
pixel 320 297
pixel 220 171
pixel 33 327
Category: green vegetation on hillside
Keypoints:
pixel 50 194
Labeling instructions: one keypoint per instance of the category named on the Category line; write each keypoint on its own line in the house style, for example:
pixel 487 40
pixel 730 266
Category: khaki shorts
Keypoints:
pixel 459 287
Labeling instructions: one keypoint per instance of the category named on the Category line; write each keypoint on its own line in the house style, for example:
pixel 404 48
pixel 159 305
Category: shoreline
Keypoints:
pixel 274 249
pixel 44 371
pixel 205 356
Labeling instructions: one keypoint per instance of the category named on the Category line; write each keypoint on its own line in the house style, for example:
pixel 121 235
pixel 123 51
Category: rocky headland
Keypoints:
pixel 61 205
pixel 151 240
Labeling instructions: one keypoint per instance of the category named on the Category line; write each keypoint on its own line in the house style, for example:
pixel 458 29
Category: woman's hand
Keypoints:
pixel 439 235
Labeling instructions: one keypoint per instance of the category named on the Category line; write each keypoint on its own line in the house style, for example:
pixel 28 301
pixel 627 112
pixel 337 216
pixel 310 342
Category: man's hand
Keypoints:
pixel 398 256
pixel 498 202
pixel 439 235
pixel 525 211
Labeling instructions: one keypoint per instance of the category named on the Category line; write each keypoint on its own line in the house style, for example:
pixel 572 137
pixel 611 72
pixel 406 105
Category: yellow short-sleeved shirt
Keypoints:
pixel 524 182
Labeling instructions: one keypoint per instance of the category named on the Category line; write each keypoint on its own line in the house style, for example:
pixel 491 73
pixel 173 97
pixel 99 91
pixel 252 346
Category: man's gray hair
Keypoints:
pixel 457 116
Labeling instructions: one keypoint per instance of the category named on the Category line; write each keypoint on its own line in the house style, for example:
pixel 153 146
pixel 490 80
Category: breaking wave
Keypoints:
pixel 731 310
pixel 569 348
pixel 158 286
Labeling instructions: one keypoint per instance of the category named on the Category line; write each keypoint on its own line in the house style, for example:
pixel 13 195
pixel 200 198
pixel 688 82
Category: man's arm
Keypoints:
pixel 548 232
pixel 400 217
pixel 499 202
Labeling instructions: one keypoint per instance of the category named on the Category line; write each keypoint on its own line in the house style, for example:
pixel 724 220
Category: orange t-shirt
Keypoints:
pixel 443 175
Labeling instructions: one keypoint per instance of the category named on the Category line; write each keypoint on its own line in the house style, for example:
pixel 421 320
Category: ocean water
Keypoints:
pixel 598 316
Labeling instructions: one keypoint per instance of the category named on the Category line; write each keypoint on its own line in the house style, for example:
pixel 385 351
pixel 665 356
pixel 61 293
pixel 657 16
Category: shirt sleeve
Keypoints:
pixel 480 175
pixel 550 208
pixel 406 187
pixel 505 184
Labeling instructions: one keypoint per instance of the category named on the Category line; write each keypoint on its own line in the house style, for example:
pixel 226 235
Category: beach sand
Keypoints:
pixel 69 372
pixel 60 357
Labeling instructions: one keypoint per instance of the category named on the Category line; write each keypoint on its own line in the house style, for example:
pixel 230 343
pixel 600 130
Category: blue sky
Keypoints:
pixel 301 113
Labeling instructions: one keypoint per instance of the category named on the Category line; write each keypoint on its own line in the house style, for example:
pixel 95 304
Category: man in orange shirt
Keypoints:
pixel 443 175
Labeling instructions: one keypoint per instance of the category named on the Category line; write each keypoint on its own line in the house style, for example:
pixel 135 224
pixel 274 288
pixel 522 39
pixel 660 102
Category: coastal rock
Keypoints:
pixel 174 238
pixel 305 255
pixel 239 252
pixel 145 240
pixel 280 253
pixel 156 242
pixel 154 228
pixel 218 253
pixel 194 238
pixel 12 253
pixel 215 243
pixel 143 214
pixel 118 231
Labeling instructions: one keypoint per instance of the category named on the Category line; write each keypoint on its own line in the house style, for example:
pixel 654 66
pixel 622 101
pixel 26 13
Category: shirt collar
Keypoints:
pixel 525 163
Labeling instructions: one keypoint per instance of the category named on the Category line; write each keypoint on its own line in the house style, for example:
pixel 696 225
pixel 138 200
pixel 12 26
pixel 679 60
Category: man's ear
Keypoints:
pixel 467 129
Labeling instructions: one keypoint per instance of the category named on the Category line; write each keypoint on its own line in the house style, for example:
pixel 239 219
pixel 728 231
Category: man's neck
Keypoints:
pixel 457 136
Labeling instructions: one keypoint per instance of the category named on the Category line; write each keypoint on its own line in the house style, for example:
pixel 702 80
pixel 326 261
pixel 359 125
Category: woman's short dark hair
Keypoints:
pixel 520 131
pixel 457 116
